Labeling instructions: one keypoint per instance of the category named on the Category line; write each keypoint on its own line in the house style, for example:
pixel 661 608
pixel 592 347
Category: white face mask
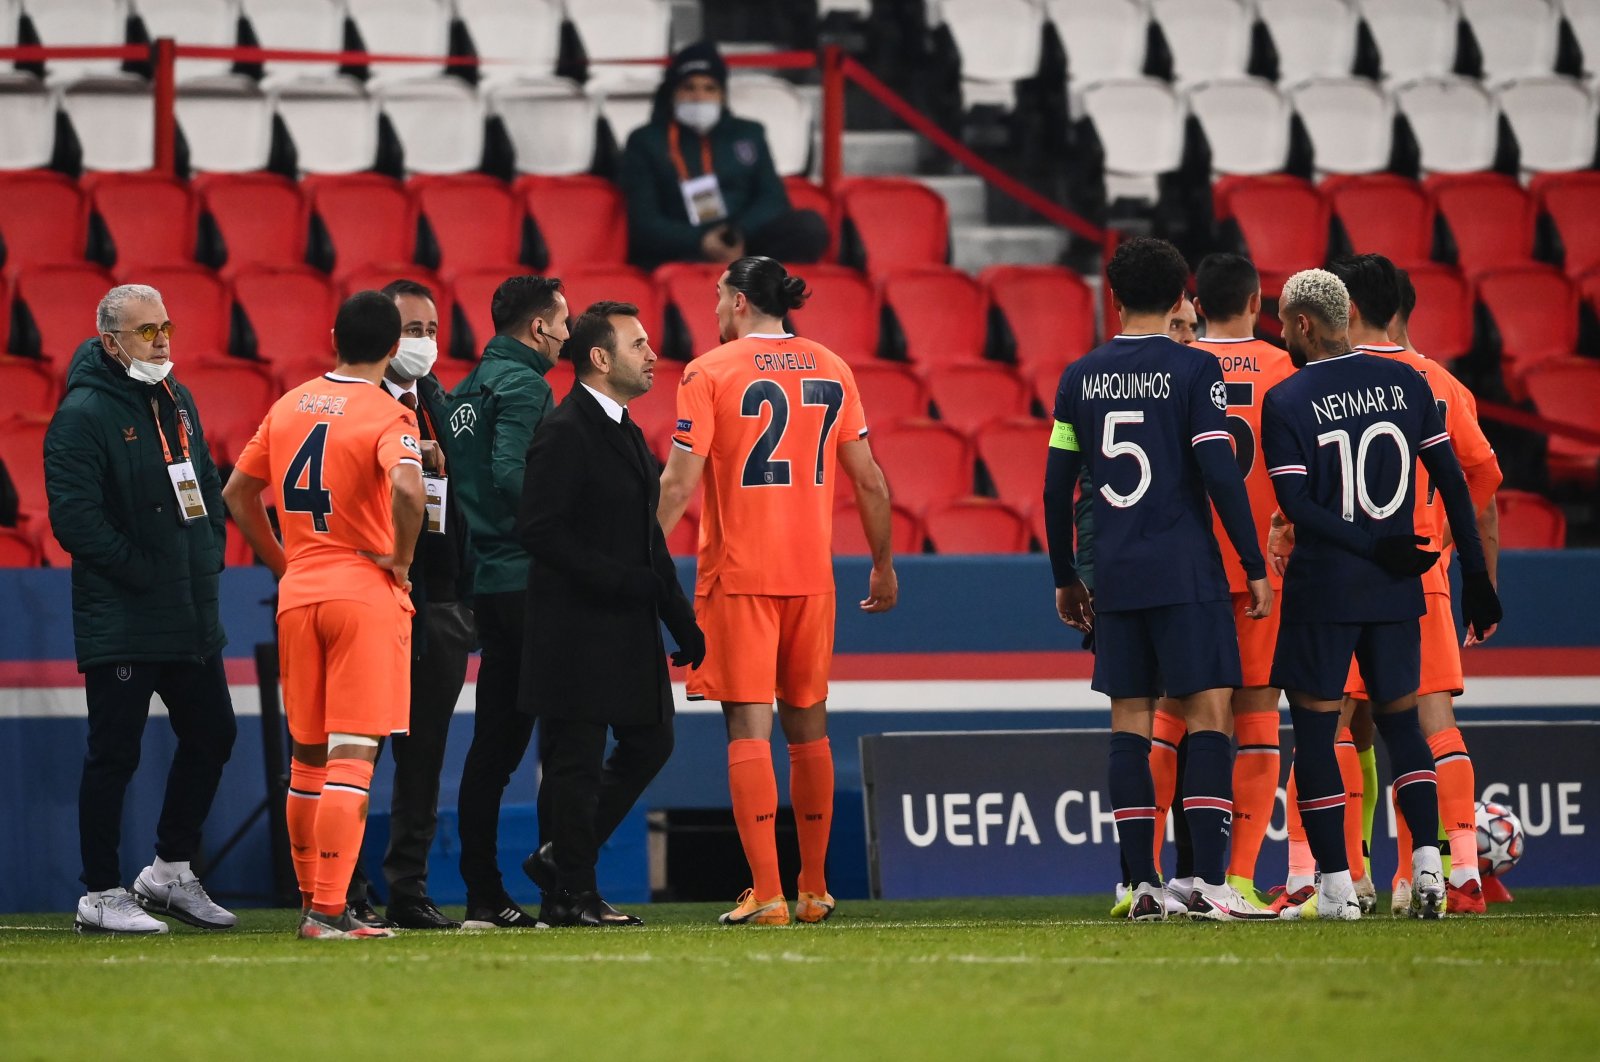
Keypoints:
pixel 146 372
pixel 415 358
pixel 699 115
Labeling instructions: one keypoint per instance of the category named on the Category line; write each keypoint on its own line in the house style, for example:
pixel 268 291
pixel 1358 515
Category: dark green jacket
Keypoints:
pixel 493 413
pixel 659 229
pixel 144 585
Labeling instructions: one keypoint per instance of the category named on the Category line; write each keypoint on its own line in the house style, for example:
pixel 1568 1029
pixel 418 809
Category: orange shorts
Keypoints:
pixel 345 667
pixel 1441 653
pixel 1258 638
pixel 759 647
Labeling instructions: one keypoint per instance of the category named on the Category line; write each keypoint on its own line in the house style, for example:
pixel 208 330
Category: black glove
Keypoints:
pixel 640 584
pixel 1403 555
pixel 691 647
pixel 1480 605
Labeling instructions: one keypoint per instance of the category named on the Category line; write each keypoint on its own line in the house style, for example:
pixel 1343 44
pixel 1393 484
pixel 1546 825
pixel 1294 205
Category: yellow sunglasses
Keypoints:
pixel 147 332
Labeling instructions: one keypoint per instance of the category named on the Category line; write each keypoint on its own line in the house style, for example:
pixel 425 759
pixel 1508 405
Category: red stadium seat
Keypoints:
pixel 849 540
pixel 842 313
pixel 807 195
pixel 1441 325
pixel 890 393
pixel 926 463
pixel 22 452
pixel 1530 521
pixel 691 288
pixel 476 221
pixel 970 396
pixel 586 284
pixel 1589 290
pixel 685 538
pixel 1284 223
pixel 198 304
pixel 368 218
pixel 261 217
pixel 1568 391
pixel 473 292
pixel 291 311
pixel 152 220
pixel 941 315
pixel 44 219
pixel 1014 453
pixel 1569 199
pixel 17 550
pixel 1048 310
pixel 1384 214
pixel 236 552
pixel 1535 308
pixel 580 219
pixel 977 525
pixel 27 387
pixel 1490 217
pixel 1046 380
pixel 232 399
pixel 898 223
pixel 61 299
pixel 379 274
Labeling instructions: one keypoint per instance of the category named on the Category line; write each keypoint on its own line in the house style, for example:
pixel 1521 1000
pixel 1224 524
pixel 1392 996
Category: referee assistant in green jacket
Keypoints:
pixel 493 415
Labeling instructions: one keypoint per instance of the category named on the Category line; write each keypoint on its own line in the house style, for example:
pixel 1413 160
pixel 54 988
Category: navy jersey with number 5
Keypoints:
pixel 1347 431
pixel 1137 407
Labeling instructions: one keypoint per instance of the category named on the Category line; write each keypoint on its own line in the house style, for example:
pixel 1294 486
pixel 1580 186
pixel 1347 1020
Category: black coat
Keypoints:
pixel 441 569
pixel 593 649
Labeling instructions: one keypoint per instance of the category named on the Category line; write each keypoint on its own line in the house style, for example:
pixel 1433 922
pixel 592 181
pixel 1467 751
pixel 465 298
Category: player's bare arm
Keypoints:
pixel 679 480
pixel 406 501
pixel 242 495
pixel 872 502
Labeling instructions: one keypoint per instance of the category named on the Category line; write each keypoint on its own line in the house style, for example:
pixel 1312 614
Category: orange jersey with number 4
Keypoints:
pixel 1250 368
pixel 769 414
pixel 326 450
pixel 1459 410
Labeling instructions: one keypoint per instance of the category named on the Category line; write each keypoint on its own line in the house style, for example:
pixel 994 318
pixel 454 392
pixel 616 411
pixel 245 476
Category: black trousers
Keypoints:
pixel 500 735
pixel 797 236
pixel 201 713
pixel 583 796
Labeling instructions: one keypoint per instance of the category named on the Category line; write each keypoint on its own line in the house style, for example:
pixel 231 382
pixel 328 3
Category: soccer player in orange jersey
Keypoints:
pixel 343 462
pixel 1375 295
pixel 768 419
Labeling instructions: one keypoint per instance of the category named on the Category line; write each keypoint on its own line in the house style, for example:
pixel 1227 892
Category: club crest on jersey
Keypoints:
pixel 745 151
pixel 411 444
pixel 463 420
pixel 1219 395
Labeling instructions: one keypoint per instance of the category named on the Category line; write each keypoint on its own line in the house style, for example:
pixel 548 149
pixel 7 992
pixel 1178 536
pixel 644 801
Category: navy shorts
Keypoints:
pixel 1172 650
pixel 1314 658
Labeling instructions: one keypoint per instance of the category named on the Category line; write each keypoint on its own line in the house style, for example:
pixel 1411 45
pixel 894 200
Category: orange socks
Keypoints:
pixel 811 794
pixel 305 790
pixel 1457 811
pixel 341 821
pixel 755 811
pixel 1302 864
pixel 1350 774
pixel 1255 787
pixel 1166 731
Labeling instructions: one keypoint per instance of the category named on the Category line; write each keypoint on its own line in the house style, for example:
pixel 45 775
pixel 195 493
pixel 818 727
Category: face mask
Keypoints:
pixel 146 372
pixel 415 358
pixel 699 115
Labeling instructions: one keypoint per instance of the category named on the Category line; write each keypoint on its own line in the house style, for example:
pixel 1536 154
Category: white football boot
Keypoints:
pixel 1224 903
pixel 184 899
pixel 1148 904
pixel 1400 903
pixel 115 911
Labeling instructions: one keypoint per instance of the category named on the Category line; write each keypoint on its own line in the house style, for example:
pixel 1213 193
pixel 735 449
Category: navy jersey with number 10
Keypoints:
pixel 1136 407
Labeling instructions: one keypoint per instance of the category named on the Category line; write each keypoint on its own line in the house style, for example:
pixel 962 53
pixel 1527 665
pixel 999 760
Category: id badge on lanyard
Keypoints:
pixel 185 481
pixel 702 195
pixel 437 489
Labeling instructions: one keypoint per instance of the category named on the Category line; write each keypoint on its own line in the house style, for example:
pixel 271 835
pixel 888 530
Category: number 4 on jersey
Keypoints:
pixel 312 498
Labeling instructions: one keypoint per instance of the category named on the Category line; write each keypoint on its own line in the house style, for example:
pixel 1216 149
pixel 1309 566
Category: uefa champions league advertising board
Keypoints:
pixel 1027 813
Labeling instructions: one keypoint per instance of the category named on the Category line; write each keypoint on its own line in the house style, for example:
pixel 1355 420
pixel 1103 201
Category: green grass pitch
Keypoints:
pixel 969 980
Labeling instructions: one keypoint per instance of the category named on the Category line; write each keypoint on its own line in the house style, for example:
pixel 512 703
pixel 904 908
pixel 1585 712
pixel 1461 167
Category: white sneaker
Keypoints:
pixel 115 911
pixel 184 899
pixel 1175 895
pixel 1400 904
pixel 1367 895
pixel 1427 895
pixel 1224 903
pixel 1320 907
pixel 1148 904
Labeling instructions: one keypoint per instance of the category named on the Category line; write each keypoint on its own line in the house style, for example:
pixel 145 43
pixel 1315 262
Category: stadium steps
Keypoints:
pixel 973 247
pixel 880 153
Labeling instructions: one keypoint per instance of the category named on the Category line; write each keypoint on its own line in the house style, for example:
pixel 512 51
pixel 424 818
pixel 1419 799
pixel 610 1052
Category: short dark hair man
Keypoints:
pixel 602 584
pixel 494 413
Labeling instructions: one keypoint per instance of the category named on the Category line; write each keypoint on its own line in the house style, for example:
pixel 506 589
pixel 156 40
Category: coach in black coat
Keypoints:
pixel 600 586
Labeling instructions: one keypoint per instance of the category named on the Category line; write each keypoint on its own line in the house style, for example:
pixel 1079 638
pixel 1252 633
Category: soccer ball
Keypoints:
pixel 1499 839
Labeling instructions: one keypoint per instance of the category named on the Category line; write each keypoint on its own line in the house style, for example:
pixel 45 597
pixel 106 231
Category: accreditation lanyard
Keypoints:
pixel 702 195
pixel 436 487
pixel 185 483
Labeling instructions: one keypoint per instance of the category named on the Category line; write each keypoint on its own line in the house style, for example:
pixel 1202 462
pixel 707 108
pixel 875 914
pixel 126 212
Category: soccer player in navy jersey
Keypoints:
pixel 1147 415
pixel 1341 440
